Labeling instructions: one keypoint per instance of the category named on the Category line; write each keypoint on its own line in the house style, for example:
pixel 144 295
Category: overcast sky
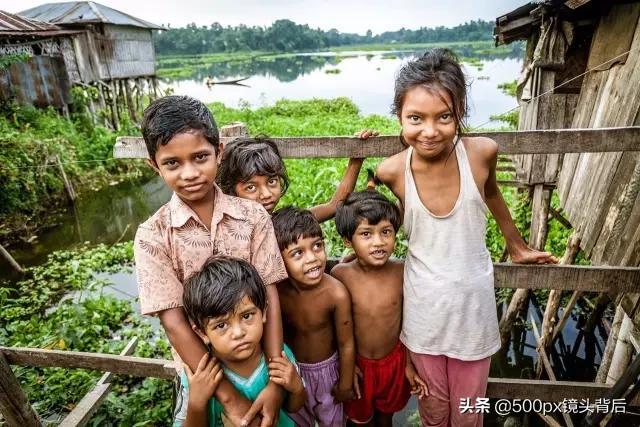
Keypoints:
pixel 345 15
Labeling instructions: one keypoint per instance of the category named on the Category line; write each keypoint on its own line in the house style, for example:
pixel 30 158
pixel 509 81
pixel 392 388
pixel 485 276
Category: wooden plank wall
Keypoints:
pixel 550 111
pixel 599 191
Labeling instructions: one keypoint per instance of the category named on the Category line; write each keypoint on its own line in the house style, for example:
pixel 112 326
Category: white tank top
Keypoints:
pixel 449 302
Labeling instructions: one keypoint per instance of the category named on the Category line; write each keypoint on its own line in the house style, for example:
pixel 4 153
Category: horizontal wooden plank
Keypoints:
pixel 517 142
pixel 551 391
pixel 568 277
pixel 562 277
pixel 124 365
pixel 548 391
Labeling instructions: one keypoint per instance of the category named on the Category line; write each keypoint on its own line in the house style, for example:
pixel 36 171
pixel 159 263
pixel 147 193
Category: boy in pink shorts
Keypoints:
pixel 368 223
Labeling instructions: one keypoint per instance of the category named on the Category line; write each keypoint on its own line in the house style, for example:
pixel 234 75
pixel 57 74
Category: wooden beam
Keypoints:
pixel 547 391
pixel 125 365
pixel 90 403
pixel 506 388
pixel 14 406
pixel 12 262
pixel 561 277
pixel 547 365
pixel 552 141
pixel 574 278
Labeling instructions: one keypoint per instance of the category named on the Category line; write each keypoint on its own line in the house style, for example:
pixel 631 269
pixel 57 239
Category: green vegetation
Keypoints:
pixel 34 315
pixel 7 60
pixel 287 36
pixel 509 88
pixel 332 71
pixel 32 185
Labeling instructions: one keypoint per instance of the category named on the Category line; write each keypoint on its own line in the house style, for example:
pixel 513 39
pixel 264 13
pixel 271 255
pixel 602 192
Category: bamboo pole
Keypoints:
pixel 114 105
pixel 12 262
pixel 600 306
pixel 538 233
pixel 14 405
pixel 67 184
pixel 622 351
pixel 555 296
pixel 129 98
pixel 547 365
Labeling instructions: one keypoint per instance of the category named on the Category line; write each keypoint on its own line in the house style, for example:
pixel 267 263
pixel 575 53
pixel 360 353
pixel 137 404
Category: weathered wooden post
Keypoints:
pixel 12 262
pixel 14 406
pixel 67 184
pixel 537 239
pixel 553 303
pixel 129 97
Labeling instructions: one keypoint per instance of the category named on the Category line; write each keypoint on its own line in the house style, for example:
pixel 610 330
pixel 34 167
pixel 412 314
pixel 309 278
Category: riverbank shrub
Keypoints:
pixel 32 184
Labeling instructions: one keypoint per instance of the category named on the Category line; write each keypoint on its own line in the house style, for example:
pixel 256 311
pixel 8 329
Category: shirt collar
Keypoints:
pixel 223 205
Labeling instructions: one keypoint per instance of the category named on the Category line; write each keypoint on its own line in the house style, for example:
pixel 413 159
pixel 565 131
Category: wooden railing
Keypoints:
pixel 16 410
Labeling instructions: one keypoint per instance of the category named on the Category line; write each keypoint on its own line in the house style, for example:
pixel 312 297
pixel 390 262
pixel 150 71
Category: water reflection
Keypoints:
pixel 364 77
pixel 106 216
pixel 289 67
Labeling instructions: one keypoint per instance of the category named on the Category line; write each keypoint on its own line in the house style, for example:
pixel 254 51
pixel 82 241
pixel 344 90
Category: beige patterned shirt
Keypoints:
pixel 174 243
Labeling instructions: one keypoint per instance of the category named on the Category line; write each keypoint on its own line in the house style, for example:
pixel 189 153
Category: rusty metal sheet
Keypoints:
pixel 41 81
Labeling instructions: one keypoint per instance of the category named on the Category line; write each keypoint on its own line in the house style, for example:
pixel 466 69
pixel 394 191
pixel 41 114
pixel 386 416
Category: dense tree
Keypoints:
pixel 286 36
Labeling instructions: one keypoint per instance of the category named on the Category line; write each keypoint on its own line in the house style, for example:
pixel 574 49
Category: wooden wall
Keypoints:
pixel 599 191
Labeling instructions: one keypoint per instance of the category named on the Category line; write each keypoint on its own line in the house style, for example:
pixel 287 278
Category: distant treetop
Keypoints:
pixel 287 36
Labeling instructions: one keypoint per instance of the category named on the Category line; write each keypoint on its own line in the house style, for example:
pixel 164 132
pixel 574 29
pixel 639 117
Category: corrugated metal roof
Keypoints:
pixel 84 12
pixel 11 24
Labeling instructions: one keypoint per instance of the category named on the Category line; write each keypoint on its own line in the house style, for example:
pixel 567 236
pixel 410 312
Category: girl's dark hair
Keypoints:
pixel 291 224
pixel 361 205
pixel 435 69
pixel 217 289
pixel 244 158
pixel 169 116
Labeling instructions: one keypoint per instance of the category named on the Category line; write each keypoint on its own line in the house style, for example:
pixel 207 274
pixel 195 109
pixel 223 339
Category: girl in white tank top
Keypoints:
pixel 446 185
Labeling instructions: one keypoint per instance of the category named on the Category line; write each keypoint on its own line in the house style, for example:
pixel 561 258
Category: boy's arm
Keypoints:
pixel 520 252
pixel 327 210
pixel 266 258
pixel 273 328
pixel 346 343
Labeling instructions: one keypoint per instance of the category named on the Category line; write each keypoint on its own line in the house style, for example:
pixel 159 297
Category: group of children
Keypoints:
pixel 265 335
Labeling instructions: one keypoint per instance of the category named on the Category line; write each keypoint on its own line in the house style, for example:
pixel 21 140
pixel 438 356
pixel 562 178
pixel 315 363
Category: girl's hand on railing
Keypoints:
pixel 526 255
pixel 366 133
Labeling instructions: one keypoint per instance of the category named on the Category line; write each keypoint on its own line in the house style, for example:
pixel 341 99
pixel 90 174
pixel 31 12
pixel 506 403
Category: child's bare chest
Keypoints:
pixel 438 190
pixel 307 314
pixel 377 300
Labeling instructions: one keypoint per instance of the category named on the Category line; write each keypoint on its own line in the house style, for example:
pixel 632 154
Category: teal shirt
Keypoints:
pixel 248 387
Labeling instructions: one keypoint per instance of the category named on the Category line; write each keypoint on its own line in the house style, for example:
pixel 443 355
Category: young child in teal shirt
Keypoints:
pixel 226 303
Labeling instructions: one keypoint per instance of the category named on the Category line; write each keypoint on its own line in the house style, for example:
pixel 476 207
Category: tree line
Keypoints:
pixel 287 36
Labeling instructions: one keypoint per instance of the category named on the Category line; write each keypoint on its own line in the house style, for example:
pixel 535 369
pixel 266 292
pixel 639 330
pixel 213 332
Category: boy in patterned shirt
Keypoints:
pixel 200 221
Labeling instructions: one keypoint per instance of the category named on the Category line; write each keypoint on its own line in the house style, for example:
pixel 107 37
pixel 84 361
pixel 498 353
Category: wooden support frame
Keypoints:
pixel 517 142
pixel 504 388
pixel 90 403
pixel 547 365
pixel 14 406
